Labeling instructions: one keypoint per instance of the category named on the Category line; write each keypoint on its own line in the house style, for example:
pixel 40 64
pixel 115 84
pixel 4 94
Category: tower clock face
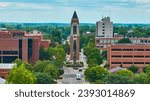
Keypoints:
pixel 74 29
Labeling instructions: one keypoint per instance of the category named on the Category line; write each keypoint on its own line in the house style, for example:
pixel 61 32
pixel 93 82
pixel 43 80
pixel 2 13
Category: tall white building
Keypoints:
pixel 104 28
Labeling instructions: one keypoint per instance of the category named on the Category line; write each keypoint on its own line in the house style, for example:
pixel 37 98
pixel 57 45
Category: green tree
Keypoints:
pixel 18 62
pixel 43 78
pixel 93 54
pixel 59 55
pixel 20 75
pixel 133 68
pixel 124 40
pixel 95 73
pixel 67 47
pixel 123 31
pixel 56 35
pixel 104 54
pixel 44 54
pixel 117 79
pixel 146 69
pixel 47 67
pixel 140 78
pixel 125 73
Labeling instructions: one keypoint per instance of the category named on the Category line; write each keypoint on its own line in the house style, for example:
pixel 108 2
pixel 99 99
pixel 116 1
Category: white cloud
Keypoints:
pixel 4 4
pixel 142 1
pixel 17 5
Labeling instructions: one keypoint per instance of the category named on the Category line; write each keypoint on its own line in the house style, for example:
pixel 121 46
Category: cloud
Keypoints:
pixel 24 6
pixel 4 4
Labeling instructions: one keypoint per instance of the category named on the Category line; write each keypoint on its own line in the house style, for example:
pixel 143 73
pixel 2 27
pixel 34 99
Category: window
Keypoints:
pixel 147 50
pixel 142 41
pixel 116 49
pixel 29 48
pixel 74 29
pixel 139 56
pixel 10 52
pixel 127 62
pixel 9 59
pixel 127 49
pixel 101 41
pixel 147 62
pixel 105 41
pixel 115 56
pixel 105 46
pixel 103 33
pixel 138 62
pixel 97 41
pixel 116 62
pixel 20 48
pixel 140 49
pixel 127 56
pixel 147 56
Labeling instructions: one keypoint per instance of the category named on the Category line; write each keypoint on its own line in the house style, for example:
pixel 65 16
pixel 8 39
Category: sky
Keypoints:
pixel 88 11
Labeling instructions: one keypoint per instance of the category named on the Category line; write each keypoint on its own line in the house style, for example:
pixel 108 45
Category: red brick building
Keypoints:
pixel 74 39
pixel 19 44
pixel 125 55
pixel 103 43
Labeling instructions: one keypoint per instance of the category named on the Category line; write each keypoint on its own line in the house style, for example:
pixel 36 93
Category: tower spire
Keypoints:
pixel 74 15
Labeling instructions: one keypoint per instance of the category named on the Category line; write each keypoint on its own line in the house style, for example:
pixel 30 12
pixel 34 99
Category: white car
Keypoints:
pixel 78 76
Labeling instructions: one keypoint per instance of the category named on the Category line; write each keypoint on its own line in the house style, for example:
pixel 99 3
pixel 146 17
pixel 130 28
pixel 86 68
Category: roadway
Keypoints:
pixel 69 76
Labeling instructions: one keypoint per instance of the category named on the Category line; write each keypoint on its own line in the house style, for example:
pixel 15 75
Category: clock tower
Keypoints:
pixel 74 39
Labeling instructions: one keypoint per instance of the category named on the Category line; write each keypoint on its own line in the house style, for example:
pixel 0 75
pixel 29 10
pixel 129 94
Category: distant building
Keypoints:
pixel 88 34
pixel 74 39
pixel 104 28
pixel 126 55
pixel 4 70
pixel 19 44
pixel 103 43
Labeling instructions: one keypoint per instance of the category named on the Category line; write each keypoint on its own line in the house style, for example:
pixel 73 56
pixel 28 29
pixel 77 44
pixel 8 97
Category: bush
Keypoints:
pixel 133 68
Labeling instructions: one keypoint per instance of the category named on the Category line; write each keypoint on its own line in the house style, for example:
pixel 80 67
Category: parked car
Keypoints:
pixel 78 76
pixel 80 69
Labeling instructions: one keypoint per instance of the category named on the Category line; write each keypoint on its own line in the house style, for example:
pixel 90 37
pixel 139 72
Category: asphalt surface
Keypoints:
pixel 69 76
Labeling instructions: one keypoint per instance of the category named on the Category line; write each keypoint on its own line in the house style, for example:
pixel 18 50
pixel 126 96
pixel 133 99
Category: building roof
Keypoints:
pixel 6 66
pixel 75 15
pixel 2 81
pixel 130 44
pixel 113 70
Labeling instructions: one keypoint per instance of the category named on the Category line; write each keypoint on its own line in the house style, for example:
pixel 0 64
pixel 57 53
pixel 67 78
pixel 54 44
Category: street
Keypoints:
pixel 69 76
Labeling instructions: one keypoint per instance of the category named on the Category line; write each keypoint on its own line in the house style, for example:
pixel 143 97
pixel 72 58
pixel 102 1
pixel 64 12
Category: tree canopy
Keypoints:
pixel 43 78
pixel 124 40
pixel 47 67
pixel 95 73
pixel 20 75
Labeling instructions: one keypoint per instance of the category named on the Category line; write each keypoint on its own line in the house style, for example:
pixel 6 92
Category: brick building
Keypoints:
pixel 126 55
pixel 19 44
pixel 103 43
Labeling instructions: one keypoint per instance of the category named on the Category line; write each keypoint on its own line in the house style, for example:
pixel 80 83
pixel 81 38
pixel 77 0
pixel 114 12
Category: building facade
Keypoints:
pixel 103 43
pixel 19 44
pixel 104 28
pixel 125 55
pixel 4 70
pixel 74 39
